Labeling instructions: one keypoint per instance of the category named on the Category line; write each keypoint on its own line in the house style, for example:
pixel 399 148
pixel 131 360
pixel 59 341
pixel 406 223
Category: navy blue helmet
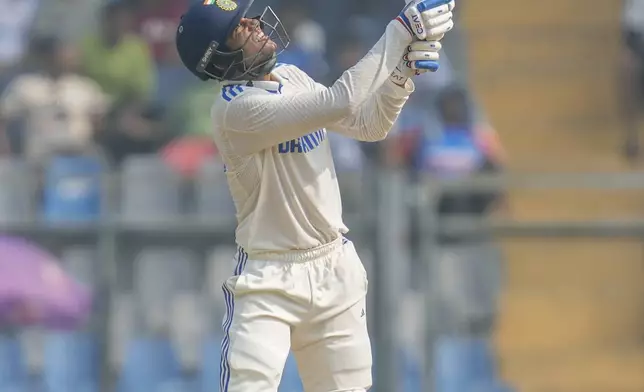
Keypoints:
pixel 202 34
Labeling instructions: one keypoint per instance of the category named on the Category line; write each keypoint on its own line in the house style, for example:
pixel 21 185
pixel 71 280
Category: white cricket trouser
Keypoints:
pixel 311 302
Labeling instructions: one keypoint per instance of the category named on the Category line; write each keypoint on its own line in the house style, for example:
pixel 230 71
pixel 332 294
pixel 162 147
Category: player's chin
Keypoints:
pixel 270 47
pixel 268 51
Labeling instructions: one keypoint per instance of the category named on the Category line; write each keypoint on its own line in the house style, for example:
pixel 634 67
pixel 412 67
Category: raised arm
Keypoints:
pixel 258 121
pixel 254 122
pixel 376 117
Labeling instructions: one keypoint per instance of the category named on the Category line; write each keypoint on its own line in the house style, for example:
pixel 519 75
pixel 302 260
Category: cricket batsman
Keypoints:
pixel 299 284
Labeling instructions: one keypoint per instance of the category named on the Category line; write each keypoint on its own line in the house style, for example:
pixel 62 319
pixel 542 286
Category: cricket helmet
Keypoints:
pixel 202 34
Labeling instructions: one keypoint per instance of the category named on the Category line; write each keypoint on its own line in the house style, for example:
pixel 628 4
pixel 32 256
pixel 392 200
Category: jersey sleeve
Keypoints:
pixel 373 120
pixel 254 122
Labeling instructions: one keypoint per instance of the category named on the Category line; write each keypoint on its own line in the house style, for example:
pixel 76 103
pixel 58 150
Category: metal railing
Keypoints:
pixel 380 229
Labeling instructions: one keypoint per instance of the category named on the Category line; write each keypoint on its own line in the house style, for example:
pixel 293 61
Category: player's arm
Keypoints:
pixel 254 122
pixel 374 119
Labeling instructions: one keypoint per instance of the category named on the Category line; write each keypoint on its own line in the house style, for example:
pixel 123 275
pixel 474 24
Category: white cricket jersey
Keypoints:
pixel 272 136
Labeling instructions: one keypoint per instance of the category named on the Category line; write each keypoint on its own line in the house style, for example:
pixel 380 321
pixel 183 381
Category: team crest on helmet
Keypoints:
pixel 226 5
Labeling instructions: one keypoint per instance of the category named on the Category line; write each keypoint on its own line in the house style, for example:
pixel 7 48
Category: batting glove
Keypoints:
pixel 427 19
pixel 420 57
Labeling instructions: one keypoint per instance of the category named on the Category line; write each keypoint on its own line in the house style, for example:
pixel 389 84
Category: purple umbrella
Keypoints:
pixel 36 291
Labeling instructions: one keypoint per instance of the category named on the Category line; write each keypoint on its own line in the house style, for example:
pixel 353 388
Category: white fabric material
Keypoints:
pixel 316 308
pixel 272 138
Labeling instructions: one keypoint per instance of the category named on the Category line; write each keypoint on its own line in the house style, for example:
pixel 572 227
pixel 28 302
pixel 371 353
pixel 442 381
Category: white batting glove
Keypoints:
pixel 427 19
pixel 420 57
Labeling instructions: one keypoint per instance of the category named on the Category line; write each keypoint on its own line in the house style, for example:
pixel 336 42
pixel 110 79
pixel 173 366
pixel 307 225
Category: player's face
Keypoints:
pixel 250 37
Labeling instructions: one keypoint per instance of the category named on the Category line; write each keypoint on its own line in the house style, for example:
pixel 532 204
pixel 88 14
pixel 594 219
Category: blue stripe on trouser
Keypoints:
pixel 229 299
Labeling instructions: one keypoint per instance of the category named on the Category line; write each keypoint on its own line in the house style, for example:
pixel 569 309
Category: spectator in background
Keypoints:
pixel 350 52
pixel 191 114
pixel 60 108
pixel 349 162
pixel 416 122
pixel 68 20
pixel 132 127
pixel 631 74
pixel 308 42
pixel 468 271
pixel 118 59
pixel 461 148
pixel 15 21
pixel 156 22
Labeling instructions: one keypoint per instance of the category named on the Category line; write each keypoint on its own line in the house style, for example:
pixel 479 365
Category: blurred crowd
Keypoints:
pixel 103 77
pixel 89 84
pixel 93 83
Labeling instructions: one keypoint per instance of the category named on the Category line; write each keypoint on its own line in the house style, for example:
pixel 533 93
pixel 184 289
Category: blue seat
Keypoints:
pixel 71 363
pixel 291 381
pixel 410 372
pixel 151 364
pixel 13 372
pixel 463 364
pixel 210 365
pixel 72 189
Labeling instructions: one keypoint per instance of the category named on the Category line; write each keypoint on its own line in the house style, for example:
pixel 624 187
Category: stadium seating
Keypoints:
pixel 574 98
pixel 463 364
pixel 32 343
pixel 123 325
pixel 410 373
pixel 81 263
pixel 352 184
pixel 410 370
pixel 17 193
pixel 219 266
pixel 467 280
pixel 210 364
pixel 72 190
pixel 571 314
pixel 214 203
pixel 170 83
pixel 150 364
pixel 159 273
pixel 71 363
pixel 150 191
pixel 13 377
pixel 187 327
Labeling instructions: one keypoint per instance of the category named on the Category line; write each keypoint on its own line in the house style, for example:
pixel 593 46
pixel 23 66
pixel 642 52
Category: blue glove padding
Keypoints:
pixel 427 65
pixel 419 57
